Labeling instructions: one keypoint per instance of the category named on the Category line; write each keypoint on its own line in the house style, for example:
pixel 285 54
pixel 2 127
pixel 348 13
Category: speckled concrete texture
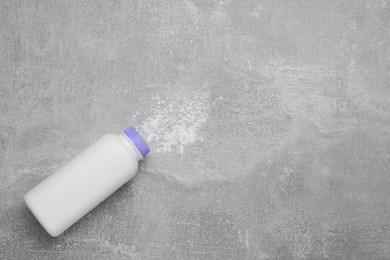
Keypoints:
pixel 269 123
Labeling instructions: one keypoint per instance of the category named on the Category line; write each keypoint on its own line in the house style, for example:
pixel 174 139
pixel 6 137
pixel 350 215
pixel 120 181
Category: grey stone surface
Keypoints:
pixel 269 123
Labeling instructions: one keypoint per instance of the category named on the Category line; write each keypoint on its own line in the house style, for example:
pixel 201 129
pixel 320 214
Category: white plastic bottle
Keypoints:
pixel 71 192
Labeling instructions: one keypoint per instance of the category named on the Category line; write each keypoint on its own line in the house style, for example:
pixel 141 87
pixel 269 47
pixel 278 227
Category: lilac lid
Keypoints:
pixel 137 140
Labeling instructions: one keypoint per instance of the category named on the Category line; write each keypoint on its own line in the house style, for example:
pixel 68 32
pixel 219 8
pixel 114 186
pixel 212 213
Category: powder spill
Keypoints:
pixel 197 138
pixel 176 119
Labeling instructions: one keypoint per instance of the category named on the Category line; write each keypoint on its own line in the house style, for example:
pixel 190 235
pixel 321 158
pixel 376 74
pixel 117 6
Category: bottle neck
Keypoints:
pixel 131 147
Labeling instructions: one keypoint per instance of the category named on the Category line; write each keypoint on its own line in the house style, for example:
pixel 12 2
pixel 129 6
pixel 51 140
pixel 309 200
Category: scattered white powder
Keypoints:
pixel 176 120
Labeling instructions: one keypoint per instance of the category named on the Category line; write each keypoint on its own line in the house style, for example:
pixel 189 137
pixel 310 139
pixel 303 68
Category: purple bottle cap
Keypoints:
pixel 137 140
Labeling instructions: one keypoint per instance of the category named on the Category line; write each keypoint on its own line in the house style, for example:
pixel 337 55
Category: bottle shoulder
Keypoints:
pixel 109 136
pixel 121 142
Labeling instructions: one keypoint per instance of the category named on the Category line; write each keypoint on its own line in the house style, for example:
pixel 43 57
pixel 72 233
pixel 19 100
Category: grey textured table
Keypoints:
pixel 269 123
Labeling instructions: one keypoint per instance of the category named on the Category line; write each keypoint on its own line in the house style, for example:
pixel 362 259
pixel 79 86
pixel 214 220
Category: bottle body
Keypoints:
pixel 71 192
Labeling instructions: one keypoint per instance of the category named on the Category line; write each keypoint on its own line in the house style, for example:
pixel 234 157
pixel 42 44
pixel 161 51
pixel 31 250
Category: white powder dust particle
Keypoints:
pixel 176 120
